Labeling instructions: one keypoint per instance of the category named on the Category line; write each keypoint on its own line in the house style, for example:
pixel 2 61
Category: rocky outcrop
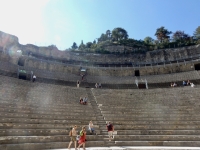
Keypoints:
pixel 7 40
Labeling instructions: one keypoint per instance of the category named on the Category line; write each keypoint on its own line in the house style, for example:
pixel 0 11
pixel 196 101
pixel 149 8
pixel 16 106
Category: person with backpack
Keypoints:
pixel 82 138
pixel 72 134
pixel 110 129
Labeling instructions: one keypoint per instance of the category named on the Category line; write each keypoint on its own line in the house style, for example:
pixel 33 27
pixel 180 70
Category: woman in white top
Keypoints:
pixel 91 127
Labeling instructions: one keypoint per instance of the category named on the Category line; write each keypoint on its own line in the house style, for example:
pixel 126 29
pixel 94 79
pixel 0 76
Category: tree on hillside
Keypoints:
pixel 103 37
pixel 162 34
pixel 88 44
pixel 197 32
pixel 74 46
pixel 108 33
pixel 82 46
pixel 180 35
pixel 119 34
pixel 148 40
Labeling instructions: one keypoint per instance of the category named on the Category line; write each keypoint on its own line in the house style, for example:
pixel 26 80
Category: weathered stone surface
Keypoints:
pixel 10 43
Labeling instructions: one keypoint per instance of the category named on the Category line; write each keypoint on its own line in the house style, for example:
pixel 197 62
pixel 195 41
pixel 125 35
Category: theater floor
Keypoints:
pixel 137 148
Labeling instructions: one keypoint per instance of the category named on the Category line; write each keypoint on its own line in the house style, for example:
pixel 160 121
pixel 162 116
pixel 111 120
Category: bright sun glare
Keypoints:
pixel 24 19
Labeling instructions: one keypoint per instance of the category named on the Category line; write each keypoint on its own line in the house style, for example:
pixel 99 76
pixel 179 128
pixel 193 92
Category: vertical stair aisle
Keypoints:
pixel 100 119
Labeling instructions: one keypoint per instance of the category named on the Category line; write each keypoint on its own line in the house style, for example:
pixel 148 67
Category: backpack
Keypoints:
pixel 110 127
pixel 70 133
pixel 81 133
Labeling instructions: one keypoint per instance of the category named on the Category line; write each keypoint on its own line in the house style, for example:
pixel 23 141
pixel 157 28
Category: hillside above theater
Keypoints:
pixel 10 44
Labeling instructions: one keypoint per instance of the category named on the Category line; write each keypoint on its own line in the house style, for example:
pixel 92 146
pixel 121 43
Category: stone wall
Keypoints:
pixel 108 71
pixel 118 48
pixel 50 66
pixel 10 45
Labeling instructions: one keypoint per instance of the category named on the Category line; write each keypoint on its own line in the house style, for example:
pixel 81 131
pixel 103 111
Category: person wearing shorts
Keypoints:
pixel 73 137
pixel 110 129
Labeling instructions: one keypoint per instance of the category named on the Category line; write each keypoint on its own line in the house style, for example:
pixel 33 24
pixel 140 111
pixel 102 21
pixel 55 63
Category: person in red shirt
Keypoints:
pixel 110 129
pixel 82 138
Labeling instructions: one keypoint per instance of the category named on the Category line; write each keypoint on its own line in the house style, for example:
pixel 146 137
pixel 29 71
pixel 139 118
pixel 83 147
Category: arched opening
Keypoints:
pixel 197 66
pixel 137 73
pixel 21 62
pixel 22 74
pixel 142 86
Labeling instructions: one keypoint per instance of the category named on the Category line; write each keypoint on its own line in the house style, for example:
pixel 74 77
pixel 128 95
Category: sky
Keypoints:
pixel 62 22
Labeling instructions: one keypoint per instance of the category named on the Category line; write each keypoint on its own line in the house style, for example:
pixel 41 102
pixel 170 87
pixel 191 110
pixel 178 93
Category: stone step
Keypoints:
pixel 46 145
pixel 38 126
pixel 40 132
pixel 100 145
pixel 42 112
pixel 167 118
pixel 155 127
pixel 154 132
pixel 133 107
pixel 146 109
pixel 138 148
pixel 155 122
pixel 45 121
pixel 160 101
pixel 47 109
pixel 158 143
pixel 132 112
pixel 151 115
pixel 42 116
pixel 46 106
pixel 38 139
pixel 66 138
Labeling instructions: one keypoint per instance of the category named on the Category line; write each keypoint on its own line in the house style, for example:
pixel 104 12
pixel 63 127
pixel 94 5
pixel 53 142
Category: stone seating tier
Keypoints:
pixel 28 120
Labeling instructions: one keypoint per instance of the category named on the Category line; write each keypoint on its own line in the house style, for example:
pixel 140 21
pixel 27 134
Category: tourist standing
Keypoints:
pixel 73 135
pixel 110 129
pixel 34 78
pixel 78 84
pixel 82 138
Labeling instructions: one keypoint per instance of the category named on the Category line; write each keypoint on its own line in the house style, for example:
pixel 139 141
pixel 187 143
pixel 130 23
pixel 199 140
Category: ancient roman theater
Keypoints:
pixel 135 95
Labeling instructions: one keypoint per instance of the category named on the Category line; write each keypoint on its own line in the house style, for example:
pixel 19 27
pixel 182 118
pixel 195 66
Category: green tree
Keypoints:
pixel 74 46
pixel 88 44
pixel 103 37
pixel 108 33
pixel 148 40
pixel 180 36
pixel 197 32
pixel 82 46
pixel 119 34
pixel 162 34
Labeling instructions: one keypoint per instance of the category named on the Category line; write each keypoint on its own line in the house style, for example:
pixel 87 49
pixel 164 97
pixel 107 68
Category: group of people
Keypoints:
pixel 98 85
pixel 81 138
pixel 83 100
pixel 74 137
pixel 188 83
pixel 173 84
pixel 185 83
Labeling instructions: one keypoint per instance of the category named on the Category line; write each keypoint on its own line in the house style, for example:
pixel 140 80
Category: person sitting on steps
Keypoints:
pixel 91 127
pixel 84 100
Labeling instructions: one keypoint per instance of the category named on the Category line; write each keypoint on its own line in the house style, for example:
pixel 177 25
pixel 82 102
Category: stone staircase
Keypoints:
pixel 157 117
pixel 39 115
